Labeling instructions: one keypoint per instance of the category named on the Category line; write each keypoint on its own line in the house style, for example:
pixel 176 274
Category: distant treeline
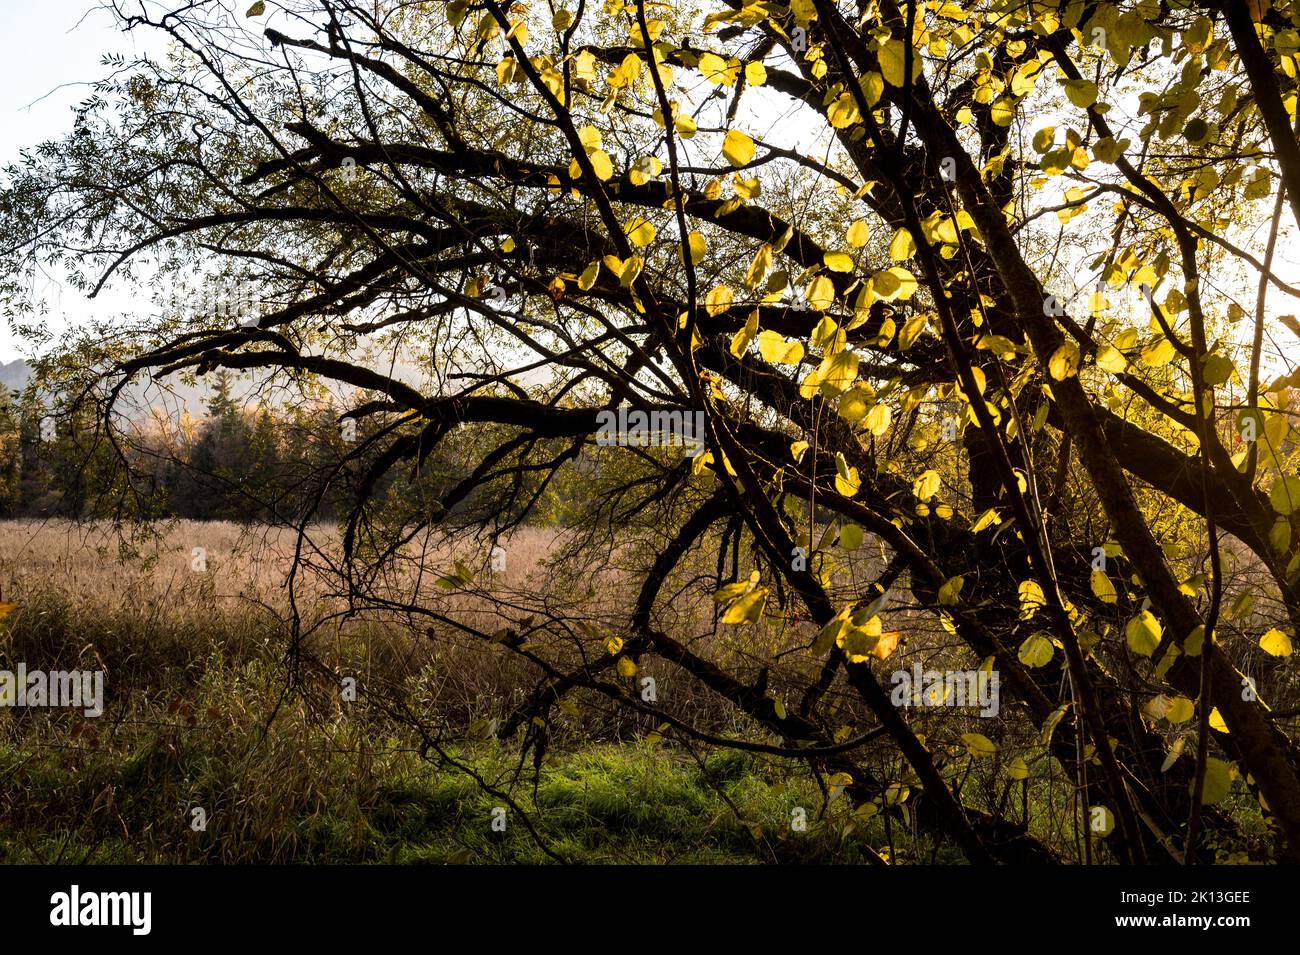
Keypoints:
pixel 237 462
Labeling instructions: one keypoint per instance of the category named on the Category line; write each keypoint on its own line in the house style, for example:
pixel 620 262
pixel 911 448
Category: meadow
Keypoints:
pixel 199 715
pixel 207 710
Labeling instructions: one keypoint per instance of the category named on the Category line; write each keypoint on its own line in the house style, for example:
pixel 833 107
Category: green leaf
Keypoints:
pixel 1218 781
pixel 1285 495
pixel 851 536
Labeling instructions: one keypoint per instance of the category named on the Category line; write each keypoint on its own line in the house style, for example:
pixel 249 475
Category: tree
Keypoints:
pixel 1002 320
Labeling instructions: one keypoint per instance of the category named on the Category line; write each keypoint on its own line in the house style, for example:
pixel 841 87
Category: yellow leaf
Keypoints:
pixel 837 372
pixel 1037 651
pixel 1158 353
pixel 740 341
pixel 911 330
pixel 927 485
pixel 901 246
pixel 887 644
pixel 873 87
pixel 1082 93
pixel 1218 781
pixel 1031 598
pixel 626 668
pixel 878 419
pixel 893 283
pixel 848 483
pixel 820 293
pixel 851 537
pixel 630 270
pixel 858 234
pixel 737 148
pixel 843 112
pixel 1064 362
pixel 892 54
pixel 1003 111
pixel 858 642
pixel 758 268
pixel 775 348
pixel 979 745
pixel 1110 358
pixel 1143 633
pixel 698 247
pixel 1102 588
pixel 755 74
pixel 1275 643
pixel 645 169
pixel 747 608
pixel 600 162
pixel 718 300
pixel 838 261
pixel 715 70
pixel 1179 710
pixel 640 232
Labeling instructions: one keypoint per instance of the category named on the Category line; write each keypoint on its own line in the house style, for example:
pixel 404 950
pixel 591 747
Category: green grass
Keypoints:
pixel 607 803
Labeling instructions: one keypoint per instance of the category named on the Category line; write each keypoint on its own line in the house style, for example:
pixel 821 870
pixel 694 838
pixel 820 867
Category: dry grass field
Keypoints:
pixel 198 717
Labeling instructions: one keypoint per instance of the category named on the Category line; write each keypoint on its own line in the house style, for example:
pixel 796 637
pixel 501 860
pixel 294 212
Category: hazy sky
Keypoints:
pixel 50 52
